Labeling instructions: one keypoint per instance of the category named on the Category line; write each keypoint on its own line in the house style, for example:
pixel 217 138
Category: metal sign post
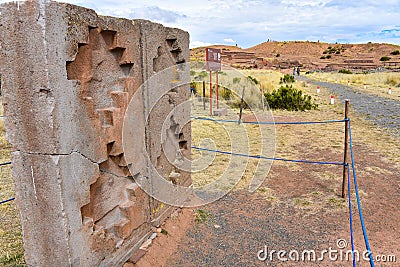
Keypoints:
pixel 204 95
pixel 211 98
pixel 213 63
pixel 216 88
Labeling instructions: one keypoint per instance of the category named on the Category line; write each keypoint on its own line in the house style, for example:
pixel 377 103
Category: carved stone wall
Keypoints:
pixel 68 75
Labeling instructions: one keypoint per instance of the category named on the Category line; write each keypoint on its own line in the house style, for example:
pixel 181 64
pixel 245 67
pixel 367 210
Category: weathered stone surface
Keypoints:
pixel 67 78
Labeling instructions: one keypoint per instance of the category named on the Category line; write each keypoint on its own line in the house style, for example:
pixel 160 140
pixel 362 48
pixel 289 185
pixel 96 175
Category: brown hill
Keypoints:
pixel 309 55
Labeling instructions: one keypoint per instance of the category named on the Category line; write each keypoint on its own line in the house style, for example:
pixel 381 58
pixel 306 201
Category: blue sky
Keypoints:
pixel 250 22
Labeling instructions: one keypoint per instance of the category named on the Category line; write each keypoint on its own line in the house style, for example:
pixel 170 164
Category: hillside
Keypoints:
pixel 309 55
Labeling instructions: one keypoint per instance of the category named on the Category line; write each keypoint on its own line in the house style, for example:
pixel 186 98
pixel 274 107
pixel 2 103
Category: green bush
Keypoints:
pixel 225 93
pixel 278 55
pixel 395 53
pixel 328 56
pixel 253 79
pixel 203 73
pixel 287 78
pixel 289 98
pixel 344 71
pixel 392 81
pixel 385 58
pixel 323 57
pixel 236 80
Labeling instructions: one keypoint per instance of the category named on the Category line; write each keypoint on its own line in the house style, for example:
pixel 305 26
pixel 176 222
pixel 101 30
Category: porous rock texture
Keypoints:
pixel 68 75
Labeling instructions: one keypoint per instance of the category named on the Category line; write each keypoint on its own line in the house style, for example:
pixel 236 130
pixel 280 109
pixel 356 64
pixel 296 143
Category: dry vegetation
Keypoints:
pixel 319 142
pixel 11 251
pixel 313 142
pixel 376 83
pixel 269 79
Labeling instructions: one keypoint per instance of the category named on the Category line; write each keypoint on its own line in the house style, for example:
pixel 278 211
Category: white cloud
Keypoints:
pixel 194 44
pixel 229 40
pixel 251 22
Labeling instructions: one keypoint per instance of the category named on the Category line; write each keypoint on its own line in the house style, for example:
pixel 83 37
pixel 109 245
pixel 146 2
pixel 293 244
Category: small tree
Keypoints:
pixel 385 58
pixel 289 98
pixel 236 80
pixel 287 78
pixel 345 71
pixel 254 80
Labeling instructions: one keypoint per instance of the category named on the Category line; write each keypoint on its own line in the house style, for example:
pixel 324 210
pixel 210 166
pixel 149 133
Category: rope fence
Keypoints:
pixel 267 158
pixel 1 165
pixel 8 200
pixel 268 122
pixel 364 229
pixel 346 165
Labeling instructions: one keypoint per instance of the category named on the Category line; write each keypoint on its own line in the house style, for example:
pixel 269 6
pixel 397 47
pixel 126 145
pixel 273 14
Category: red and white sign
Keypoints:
pixel 213 59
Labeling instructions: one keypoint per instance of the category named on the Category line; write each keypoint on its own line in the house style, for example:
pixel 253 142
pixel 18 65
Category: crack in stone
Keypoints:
pixel 58 154
pixel 114 174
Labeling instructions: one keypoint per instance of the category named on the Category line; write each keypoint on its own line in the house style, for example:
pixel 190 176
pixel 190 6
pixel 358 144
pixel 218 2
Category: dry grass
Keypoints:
pixel 377 83
pixel 304 142
pixel 269 79
pixel 11 251
pixel 292 141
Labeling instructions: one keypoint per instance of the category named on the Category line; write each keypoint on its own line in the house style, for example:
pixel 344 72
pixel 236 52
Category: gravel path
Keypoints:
pixel 382 111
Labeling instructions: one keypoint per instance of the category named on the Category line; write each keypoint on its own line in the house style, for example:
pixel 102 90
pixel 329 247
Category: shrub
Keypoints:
pixel 287 79
pixel 203 74
pixel 323 57
pixel 236 80
pixel 385 58
pixel 328 56
pixel 278 55
pixel 395 53
pixel 289 98
pixel 344 71
pixel 254 80
pixel 225 93
pixel 391 80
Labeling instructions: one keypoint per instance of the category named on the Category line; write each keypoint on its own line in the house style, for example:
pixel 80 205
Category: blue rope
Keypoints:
pixel 371 258
pixel 8 200
pixel 269 123
pixel 5 163
pixel 351 215
pixel 263 157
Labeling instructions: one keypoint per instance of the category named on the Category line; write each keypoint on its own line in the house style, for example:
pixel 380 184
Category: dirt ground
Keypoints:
pixel 296 208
